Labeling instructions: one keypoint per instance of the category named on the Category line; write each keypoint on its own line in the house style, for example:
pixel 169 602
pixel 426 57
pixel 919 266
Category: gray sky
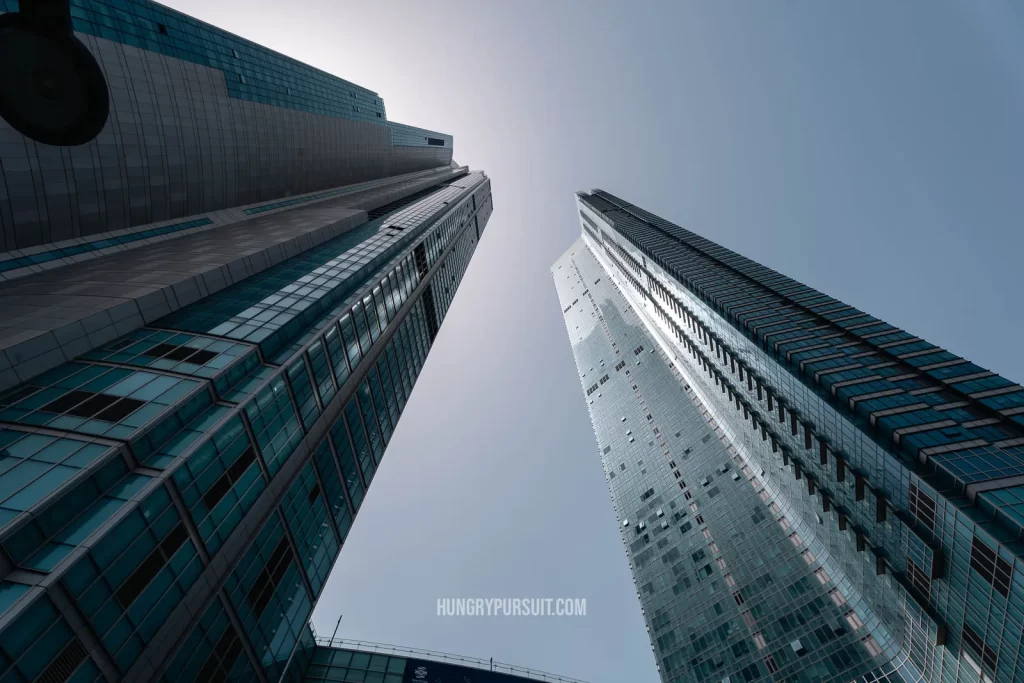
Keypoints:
pixel 870 149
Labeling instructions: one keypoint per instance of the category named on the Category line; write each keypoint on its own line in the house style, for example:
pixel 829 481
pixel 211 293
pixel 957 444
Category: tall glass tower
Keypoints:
pixel 213 316
pixel 805 492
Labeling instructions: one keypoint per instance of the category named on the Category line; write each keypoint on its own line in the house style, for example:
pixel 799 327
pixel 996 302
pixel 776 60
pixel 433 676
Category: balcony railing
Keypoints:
pixel 445 657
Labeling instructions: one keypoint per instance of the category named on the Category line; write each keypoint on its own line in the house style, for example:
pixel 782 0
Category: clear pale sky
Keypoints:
pixel 872 149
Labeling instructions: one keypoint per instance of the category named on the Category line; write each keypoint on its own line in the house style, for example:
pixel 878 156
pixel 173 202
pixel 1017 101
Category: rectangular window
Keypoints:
pixel 226 480
pixel 92 405
pixel 348 334
pixel 922 506
pixel 321 373
pixel 370 309
pixel 390 297
pixel 336 354
pixel 275 424
pixel 347 462
pixel 381 307
pixel 390 385
pixel 182 354
pixel 988 656
pixel 360 441
pixel 333 494
pixel 990 566
pixel 302 387
pixel 154 562
pixel 362 329
pixel 431 312
pixel 270 576
pixel 919 580
pixel 398 348
pixel 305 513
pixel 224 654
pixel 380 404
pixel 401 392
pixel 420 256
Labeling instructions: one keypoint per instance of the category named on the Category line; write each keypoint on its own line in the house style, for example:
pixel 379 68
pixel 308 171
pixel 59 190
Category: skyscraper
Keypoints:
pixel 213 316
pixel 805 492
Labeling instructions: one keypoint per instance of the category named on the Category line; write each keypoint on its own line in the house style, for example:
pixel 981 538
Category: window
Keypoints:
pixel 436 142
pixel 269 577
pixel 988 656
pixel 179 353
pixel 88 404
pixel 919 580
pixel 147 571
pixel 228 478
pixel 872 646
pixel 225 653
pixel 990 566
pixel 922 506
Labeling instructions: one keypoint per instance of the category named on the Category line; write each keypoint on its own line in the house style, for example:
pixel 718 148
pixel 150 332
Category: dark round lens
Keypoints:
pixel 51 88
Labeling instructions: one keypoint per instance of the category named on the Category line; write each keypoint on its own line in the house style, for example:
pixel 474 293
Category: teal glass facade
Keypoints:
pixel 259 262
pixel 184 490
pixel 175 488
pixel 888 465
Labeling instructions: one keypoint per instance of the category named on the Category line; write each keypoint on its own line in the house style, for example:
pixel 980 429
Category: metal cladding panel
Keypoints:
pixel 200 120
